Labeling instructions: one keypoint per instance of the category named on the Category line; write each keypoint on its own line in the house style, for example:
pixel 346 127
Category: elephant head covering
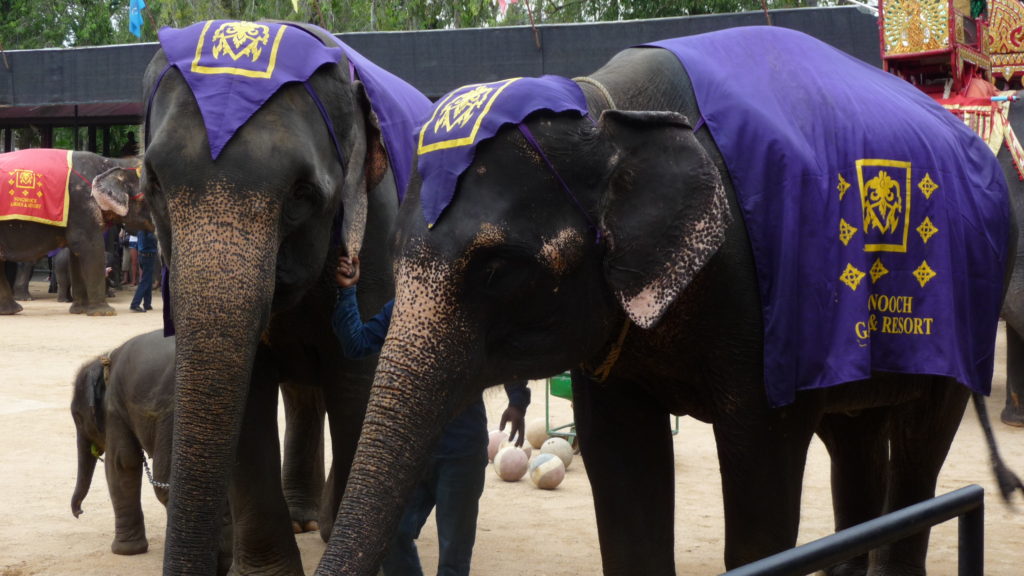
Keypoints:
pixel 233 67
pixel 879 222
pixel 471 114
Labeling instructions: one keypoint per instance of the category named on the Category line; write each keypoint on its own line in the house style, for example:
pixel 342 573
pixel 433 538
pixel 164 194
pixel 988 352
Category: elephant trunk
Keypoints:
pixel 86 467
pixel 411 400
pixel 221 294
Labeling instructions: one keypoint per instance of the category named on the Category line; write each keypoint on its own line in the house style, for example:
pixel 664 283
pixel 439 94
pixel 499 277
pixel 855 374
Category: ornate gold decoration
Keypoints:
pixel 851 277
pixel 924 273
pixel 877 270
pixel 846 231
pixel 1005 27
pixel 927 186
pixel 238 39
pixel 927 229
pixel 461 109
pixel 915 26
pixel 843 186
pixel 883 204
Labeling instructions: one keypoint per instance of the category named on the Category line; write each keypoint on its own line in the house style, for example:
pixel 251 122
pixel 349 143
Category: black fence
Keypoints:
pixel 966 503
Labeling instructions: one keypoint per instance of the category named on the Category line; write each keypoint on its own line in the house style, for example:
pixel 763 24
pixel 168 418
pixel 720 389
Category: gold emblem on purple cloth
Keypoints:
pixel 885 202
pixel 237 48
pixel 457 119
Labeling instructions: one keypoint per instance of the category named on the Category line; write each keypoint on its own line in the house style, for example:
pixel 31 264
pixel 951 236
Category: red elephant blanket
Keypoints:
pixel 34 185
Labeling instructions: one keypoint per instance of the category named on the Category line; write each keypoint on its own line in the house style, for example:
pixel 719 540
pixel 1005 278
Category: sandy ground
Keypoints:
pixel 522 530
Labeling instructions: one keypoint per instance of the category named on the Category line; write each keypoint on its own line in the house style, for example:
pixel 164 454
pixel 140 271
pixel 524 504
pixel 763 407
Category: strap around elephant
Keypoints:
pixel 536 146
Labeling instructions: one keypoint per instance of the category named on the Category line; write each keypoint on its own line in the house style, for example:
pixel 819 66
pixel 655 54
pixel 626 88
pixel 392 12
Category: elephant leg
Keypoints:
pixel 21 280
pixel 623 434
pixel 88 284
pixel 922 432
pixel 303 467
pixel 7 304
pixel 858 446
pixel 123 465
pixel 62 274
pixel 264 542
pixel 762 453
pixel 1013 412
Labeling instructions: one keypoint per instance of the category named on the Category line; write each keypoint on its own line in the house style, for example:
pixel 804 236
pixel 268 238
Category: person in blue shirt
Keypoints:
pixel 143 298
pixel 454 478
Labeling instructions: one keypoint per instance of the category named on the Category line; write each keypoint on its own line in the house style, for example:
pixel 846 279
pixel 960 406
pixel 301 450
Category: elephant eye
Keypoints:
pixel 503 277
pixel 303 203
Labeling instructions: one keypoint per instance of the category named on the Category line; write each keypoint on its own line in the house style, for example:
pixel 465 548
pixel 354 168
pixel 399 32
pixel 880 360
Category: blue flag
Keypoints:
pixel 135 17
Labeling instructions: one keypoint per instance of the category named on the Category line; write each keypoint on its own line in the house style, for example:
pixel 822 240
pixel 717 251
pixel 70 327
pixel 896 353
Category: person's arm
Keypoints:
pixel 358 339
pixel 518 400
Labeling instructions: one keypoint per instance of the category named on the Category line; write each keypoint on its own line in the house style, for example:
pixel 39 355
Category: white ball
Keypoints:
pixel 537 432
pixel 559 447
pixel 511 464
pixel 495 439
pixel 525 447
pixel 547 471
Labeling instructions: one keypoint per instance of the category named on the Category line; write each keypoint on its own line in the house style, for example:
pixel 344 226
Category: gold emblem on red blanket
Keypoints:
pixel 26 187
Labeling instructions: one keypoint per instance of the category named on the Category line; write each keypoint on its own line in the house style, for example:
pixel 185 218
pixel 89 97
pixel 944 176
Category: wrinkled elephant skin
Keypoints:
pixel 509 283
pixel 103 193
pixel 247 240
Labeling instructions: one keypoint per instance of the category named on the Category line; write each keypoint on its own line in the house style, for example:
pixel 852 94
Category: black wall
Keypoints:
pixel 33 81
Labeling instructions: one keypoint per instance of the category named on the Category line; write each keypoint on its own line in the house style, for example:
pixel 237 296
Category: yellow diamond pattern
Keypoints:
pixel 927 186
pixel 846 232
pixel 851 277
pixel 843 186
pixel 924 273
pixel 877 270
pixel 927 229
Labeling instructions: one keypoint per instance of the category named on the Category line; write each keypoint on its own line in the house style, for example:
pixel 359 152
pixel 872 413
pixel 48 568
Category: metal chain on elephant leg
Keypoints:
pixel 145 465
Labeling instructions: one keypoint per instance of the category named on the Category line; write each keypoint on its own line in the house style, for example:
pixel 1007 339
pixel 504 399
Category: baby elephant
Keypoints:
pixel 123 404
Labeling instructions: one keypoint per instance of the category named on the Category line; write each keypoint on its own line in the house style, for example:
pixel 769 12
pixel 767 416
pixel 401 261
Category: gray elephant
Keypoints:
pixel 123 408
pixel 251 216
pixel 597 225
pixel 92 202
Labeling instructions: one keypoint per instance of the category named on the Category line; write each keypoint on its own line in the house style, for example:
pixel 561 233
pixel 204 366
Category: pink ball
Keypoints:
pixel 495 439
pixel 547 471
pixel 511 464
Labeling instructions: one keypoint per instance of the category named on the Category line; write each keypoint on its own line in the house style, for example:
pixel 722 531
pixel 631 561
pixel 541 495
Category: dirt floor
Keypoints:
pixel 522 530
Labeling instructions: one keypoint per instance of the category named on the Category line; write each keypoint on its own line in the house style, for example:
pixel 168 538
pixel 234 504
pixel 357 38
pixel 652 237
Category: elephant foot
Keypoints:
pixel 100 310
pixel 10 308
pixel 1013 416
pixel 853 567
pixel 130 547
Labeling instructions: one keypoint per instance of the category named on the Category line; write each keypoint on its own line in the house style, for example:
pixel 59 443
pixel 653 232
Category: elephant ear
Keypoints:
pixel 114 188
pixel 665 213
pixel 96 390
pixel 366 170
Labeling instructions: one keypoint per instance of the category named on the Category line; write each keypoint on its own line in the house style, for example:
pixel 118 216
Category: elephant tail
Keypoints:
pixel 87 458
pixel 1007 479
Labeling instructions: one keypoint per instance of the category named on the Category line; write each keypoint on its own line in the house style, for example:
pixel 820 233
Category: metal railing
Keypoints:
pixel 967 503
